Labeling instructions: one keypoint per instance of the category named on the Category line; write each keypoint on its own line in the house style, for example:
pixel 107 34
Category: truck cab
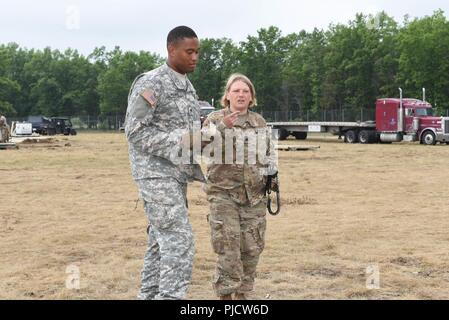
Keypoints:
pixel 410 120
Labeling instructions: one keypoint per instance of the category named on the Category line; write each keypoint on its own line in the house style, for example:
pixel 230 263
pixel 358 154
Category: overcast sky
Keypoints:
pixel 143 25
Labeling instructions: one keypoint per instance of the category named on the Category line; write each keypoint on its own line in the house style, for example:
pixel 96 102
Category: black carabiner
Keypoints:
pixel 278 208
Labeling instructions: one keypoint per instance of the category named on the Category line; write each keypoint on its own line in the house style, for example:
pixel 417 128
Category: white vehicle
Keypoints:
pixel 22 129
pixel 206 108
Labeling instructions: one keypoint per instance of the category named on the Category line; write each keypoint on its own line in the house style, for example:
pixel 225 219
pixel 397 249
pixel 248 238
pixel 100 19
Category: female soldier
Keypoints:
pixel 235 190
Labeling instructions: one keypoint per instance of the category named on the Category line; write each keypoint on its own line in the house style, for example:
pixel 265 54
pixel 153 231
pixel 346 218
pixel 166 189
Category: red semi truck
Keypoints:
pixel 397 120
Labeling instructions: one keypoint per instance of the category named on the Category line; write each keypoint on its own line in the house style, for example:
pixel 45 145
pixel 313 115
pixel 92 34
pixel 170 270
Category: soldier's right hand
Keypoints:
pixel 231 119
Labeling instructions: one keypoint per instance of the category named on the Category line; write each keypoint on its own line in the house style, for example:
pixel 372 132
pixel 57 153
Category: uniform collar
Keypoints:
pixel 171 73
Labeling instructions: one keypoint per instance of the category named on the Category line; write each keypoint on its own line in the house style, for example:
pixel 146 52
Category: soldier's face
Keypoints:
pixel 184 54
pixel 239 96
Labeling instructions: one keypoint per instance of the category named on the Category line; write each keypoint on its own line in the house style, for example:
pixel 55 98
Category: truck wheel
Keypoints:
pixel 350 136
pixel 300 135
pixel 365 136
pixel 428 138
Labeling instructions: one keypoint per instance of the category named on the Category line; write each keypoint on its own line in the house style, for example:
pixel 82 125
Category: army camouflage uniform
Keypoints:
pixel 237 209
pixel 161 108
pixel 4 130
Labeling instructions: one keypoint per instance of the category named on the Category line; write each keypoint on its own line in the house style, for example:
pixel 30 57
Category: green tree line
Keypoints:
pixel 347 66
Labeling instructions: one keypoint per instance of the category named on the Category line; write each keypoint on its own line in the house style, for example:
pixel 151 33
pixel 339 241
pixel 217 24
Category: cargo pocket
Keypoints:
pixel 262 226
pixel 160 216
pixel 217 235
pixel 216 283
pixel 253 239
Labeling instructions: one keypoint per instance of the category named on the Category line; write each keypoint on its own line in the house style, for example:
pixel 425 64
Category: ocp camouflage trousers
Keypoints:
pixel 238 239
pixel 168 261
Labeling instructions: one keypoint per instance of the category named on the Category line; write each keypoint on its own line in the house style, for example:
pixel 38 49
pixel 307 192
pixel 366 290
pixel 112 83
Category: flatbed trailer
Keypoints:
pixel 8 145
pixel 300 129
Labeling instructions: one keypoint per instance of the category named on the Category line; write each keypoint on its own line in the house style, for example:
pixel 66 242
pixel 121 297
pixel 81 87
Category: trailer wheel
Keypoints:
pixel 283 134
pixel 300 135
pixel 350 136
pixel 279 134
pixel 428 138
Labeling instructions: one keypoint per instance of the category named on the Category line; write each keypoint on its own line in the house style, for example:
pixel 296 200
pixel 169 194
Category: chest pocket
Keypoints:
pixel 194 109
pixel 169 114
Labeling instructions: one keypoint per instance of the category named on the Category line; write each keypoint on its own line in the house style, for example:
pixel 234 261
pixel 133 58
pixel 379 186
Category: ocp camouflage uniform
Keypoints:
pixel 237 209
pixel 161 108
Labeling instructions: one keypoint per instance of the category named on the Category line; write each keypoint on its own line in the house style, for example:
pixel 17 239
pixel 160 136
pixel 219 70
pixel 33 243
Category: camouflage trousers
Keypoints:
pixel 4 134
pixel 168 261
pixel 238 239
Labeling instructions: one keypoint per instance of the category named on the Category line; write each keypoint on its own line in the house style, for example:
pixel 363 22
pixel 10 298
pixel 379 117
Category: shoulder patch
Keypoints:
pixel 148 95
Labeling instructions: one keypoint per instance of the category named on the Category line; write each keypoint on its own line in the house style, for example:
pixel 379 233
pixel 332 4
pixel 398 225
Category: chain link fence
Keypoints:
pixel 116 122
pixel 99 122
pixel 341 115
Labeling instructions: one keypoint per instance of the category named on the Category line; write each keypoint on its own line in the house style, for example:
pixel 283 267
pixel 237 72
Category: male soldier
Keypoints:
pixel 162 107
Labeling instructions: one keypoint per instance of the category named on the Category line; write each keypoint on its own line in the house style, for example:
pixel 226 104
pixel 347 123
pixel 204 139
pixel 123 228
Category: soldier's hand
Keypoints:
pixel 274 178
pixel 231 119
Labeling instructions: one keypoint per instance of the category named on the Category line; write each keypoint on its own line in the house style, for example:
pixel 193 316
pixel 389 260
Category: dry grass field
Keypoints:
pixel 71 201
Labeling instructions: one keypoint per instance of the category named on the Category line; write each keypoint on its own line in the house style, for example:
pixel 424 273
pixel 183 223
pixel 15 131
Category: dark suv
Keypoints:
pixel 42 125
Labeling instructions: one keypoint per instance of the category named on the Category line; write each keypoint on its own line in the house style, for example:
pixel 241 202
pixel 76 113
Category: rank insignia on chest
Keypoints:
pixel 148 95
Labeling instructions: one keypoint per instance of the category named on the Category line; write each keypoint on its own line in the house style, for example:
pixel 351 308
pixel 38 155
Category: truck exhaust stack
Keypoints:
pixel 401 113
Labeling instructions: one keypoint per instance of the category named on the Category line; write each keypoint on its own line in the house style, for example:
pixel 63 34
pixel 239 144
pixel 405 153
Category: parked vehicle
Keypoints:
pixel 51 126
pixel 42 125
pixel 63 126
pixel 206 108
pixel 396 120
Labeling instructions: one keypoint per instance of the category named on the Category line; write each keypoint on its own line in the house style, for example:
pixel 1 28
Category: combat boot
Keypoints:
pixel 226 297
pixel 240 296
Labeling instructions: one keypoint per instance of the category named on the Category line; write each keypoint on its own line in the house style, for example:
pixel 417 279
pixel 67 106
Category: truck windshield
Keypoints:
pixel 205 112
pixel 424 112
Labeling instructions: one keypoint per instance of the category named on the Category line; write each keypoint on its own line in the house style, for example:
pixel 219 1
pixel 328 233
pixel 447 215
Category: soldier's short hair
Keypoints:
pixel 180 33
pixel 238 77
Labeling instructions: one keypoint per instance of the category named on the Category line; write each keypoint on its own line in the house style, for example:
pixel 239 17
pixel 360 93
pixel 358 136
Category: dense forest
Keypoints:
pixel 346 67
